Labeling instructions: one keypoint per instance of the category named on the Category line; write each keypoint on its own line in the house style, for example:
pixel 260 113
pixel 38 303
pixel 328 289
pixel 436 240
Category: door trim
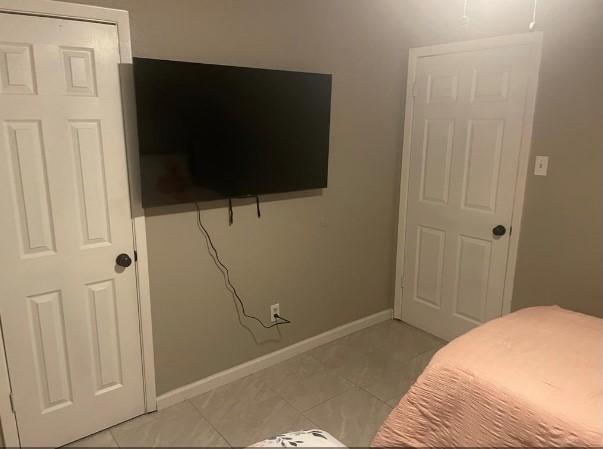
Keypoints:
pixel 533 40
pixel 120 19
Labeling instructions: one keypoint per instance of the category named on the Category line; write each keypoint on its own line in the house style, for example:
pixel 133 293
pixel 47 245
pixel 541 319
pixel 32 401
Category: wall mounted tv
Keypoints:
pixel 211 131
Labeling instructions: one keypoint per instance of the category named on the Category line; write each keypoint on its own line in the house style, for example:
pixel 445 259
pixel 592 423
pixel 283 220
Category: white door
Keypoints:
pixel 467 124
pixel 69 313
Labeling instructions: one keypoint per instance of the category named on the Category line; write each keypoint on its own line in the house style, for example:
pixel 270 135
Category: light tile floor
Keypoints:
pixel 346 387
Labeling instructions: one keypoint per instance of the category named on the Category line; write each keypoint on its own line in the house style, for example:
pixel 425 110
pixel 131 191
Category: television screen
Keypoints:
pixel 210 131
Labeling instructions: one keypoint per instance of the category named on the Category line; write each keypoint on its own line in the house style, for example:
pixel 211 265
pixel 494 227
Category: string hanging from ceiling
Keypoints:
pixel 531 27
pixel 533 22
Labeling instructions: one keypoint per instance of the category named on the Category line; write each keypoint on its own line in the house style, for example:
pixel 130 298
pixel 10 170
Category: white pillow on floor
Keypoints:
pixel 303 438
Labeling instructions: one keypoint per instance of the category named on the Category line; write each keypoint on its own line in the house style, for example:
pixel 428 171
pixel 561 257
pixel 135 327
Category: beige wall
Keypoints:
pixel 326 258
pixel 329 258
pixel 561 252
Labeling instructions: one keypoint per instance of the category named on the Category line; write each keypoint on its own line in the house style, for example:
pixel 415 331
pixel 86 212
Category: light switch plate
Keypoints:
pixel 541 166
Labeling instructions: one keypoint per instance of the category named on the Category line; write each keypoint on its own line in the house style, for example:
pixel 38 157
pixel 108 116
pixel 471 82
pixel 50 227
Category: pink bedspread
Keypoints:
pixel 531 378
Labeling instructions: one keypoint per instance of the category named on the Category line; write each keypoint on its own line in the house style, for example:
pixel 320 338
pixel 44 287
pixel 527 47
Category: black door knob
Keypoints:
pixel 123 260
pixel 499 230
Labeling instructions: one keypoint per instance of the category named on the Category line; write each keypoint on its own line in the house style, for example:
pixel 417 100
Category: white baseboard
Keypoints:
pixel 237 372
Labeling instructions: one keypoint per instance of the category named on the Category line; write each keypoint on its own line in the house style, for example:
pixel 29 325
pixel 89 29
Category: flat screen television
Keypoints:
pixel 211 131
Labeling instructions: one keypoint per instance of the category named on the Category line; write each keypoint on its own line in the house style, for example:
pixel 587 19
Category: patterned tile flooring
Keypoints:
pixel 346 387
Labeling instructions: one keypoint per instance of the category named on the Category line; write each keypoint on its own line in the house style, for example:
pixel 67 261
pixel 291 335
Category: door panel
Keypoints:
pixel 91 182
pixel 482 166
pixel 105 336
pixel 472 278
pixel 437 153
pixel 69 315
pixel 467 122
pixel 29 178
pixel 49 344
pixel 16 66
pixel 80 75
pixel 430 259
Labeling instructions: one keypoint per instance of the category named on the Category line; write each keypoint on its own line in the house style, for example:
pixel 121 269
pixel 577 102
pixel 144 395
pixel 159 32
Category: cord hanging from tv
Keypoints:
pixel 231 210
pixel 213 252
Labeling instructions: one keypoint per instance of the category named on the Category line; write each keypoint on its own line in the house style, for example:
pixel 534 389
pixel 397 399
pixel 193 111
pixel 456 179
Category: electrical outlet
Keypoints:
pixel 274 309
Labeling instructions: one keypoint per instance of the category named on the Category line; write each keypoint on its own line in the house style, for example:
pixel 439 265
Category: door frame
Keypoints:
pixel 533 40
pixel 121 20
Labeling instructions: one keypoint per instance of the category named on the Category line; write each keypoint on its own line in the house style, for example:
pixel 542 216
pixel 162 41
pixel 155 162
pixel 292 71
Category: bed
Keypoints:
pixel 531 378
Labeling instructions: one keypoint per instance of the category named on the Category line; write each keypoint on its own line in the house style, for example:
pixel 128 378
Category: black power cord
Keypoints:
pixel 231 212
pixel 224 270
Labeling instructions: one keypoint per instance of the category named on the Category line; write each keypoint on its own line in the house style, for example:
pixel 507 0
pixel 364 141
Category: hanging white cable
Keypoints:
pixel 465 11
pixel 533 22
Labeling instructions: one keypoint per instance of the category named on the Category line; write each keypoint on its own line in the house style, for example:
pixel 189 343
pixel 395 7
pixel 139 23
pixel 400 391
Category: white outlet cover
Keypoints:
pixel 541 166
pixel 274 308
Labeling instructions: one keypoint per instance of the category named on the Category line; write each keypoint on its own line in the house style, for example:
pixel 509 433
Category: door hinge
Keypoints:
pixel 11 398
pixel 135 256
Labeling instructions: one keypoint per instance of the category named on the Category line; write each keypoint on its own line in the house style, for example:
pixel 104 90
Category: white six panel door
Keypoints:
pixel 468 114
pixel 69 315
